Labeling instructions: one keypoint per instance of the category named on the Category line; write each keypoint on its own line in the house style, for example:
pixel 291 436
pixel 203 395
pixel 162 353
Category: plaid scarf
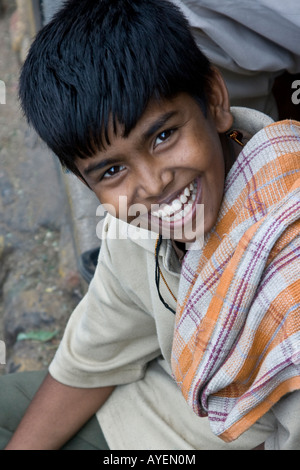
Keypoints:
pixel 236 348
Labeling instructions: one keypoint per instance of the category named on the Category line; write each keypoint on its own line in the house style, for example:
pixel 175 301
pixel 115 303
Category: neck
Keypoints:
pixel 232 148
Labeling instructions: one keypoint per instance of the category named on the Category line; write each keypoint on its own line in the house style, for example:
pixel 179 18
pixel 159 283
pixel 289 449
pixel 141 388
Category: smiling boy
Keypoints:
pixel 172 159
pixel 150 122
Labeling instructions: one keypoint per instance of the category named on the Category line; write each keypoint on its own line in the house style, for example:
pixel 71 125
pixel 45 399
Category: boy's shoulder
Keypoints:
pixel 249 119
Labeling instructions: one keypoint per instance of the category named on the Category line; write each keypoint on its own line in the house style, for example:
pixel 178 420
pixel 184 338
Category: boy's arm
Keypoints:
pixel 55 414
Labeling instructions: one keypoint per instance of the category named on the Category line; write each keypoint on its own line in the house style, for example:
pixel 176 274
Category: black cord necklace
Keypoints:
pixel 158 275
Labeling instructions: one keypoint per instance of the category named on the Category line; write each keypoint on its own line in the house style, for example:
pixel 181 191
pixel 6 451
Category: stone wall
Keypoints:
pixel 24 24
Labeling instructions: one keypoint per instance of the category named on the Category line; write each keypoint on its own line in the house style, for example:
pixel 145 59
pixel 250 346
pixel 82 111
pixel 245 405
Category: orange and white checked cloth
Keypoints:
pixel 236 348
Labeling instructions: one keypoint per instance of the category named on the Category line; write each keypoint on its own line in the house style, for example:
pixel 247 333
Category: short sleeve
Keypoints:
pixel 110 336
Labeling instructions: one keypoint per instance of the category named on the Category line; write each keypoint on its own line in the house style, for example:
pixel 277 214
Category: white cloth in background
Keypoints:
pixel 250 41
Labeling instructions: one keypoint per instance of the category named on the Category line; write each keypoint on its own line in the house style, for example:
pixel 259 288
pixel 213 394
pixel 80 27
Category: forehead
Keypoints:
pixel 157 113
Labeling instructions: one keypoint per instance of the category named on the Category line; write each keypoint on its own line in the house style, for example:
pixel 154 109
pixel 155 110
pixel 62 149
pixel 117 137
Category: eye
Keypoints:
pixel 113 171
pixel 163 137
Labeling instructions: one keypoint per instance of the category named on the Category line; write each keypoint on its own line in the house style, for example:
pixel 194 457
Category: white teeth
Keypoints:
pixel 186 210
pixel 184 201
pixel 187 192
pixel 168 210
pixel 176 205
pixel 178 216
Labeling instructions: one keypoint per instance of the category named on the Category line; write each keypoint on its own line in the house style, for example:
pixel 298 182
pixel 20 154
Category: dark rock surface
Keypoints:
pixel 39 280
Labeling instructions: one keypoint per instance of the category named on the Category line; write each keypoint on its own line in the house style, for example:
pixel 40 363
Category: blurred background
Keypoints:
pixel 47 218
pixel 40 230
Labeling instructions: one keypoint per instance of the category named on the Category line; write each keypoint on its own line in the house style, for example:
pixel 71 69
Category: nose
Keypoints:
pixel 153 181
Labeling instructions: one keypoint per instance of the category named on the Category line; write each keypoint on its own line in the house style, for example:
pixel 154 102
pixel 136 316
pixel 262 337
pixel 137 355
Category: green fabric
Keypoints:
pixel 16 392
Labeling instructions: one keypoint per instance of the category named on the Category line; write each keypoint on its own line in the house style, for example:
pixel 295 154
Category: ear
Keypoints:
pixel 219 103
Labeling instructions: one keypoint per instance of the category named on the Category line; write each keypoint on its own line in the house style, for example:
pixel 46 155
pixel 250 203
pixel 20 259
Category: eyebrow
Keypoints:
pixel 98 166
pixel 160 122
pixel 154 127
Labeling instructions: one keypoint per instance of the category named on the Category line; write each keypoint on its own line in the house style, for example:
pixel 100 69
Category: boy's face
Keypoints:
pixel 170 163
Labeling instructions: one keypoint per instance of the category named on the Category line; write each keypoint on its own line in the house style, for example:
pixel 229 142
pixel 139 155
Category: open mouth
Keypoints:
pixel 180 207
pixel 180 218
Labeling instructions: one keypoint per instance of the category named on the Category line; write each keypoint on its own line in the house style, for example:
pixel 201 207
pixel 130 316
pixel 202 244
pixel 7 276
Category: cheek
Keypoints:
pixel 119 207
pixel 109 200
pixel 204 146
pixel 216 179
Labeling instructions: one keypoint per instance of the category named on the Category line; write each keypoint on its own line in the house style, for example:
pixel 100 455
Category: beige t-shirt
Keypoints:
pixel 121 334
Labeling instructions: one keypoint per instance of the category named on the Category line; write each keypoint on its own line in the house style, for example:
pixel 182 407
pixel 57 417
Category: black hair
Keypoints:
pixel 103 59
